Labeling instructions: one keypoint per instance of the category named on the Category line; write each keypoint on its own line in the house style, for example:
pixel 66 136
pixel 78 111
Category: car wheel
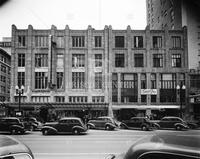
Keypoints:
pixel 107 127
pixel 31 128
pixel 13 131
pixel 76 132
pixel 178 127
pixel 89 127
pixel 45 132
pixel 144 128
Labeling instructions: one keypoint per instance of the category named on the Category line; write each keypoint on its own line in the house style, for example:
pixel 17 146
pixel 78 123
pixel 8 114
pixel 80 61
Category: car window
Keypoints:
pixel 165 119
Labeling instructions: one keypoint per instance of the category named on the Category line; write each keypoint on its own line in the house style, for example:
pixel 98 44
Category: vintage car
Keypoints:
pixel 172 122
pixel 64 125
pixel 12 125
pixel 11 148
pixel 142 123
pixel 104 122
pixel 163 146
pixel 31 123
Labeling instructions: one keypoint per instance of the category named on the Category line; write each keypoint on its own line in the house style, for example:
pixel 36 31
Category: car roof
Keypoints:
pixel 139 118
pixel 167 143
pixel 169 117
pixel 9 145
pixel 67 118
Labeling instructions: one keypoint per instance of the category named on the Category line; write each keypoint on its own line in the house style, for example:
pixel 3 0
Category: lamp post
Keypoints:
pixel 181 92
pixel 19 91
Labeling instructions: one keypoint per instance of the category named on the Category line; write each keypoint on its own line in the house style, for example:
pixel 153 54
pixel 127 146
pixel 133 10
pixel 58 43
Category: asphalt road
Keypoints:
pixel 96 144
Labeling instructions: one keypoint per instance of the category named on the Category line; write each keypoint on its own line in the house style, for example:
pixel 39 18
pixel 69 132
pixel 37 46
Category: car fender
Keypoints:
pixel 91 125
pixel 180 124
pixel 50 128
pixel 78 127
pixel 18 127
pixel 123 125
pixel 156 125
pixel 110 124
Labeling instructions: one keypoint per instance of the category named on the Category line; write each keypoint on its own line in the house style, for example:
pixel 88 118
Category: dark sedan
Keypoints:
pixel 163 146
pixel 104 122
pixel 11 148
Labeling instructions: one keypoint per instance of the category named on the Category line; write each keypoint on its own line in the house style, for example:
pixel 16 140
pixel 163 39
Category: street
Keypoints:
pixel 96 144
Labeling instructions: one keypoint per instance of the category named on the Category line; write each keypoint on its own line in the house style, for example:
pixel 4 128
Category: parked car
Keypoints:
pixel 12 125
pixel 64 125
pixel 104 122
pixel 163 146
pixel 31 123
pixel 171 122
pixel 11 148
pixel 142 123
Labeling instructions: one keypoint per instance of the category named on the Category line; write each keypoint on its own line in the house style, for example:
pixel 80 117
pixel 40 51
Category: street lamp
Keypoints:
pixel 19 91
pixel 181 92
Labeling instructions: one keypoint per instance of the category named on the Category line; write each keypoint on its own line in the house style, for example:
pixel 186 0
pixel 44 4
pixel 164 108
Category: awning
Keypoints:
pixel 144 107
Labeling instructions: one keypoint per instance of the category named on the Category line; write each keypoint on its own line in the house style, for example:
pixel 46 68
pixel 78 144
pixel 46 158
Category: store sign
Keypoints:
pixel 5 44
pixel 149 91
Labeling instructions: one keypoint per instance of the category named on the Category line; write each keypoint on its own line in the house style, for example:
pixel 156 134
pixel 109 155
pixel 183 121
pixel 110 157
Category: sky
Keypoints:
pixel 77 14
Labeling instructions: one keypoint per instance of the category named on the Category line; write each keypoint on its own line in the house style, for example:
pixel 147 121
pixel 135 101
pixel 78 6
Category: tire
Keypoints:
pixel 45 132
pixel 76 132
pixel 31 128
pixel 107 127
pixel 178 127
pixel 13 131
pixel 144 128
pixel 89 127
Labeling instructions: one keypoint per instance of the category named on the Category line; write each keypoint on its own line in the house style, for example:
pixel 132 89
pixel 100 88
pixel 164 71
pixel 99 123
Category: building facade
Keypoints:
pixel 174 15
pixel 99 72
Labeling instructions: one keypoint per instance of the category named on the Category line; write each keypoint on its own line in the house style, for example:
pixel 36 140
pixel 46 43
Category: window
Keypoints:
pixel 98 60
pixel 78 41
pixel 78 80
pixel 60 42
pixel 97 40
pixel 21 60
pixel 143 98
pixel 3 79
pixel 41 80
pixel 21 41
pixel 138 41
pixel 157 42
pixel 98 99
pixel 153 81
pixel 59 80
pixel 176 60
pixel 60 99
pixel 153 98
pixel 114 87
pixel 60 61
pixel 78 60
pixel 41 99
pixel 41 60
pixel 139 62
pixel 41 41
pixel 21 78
pixel 77 99
pixel 143 81
pixel 98 80
pixel 3 68
pixel 157 60
pixel 176 42
pixel 119 41
pixel 119 60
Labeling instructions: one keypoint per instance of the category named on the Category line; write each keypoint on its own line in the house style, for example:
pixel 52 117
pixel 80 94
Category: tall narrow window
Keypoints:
pixel 119 41
pixel 98 60
pixel 41 41
pixel 60 42
pixel 143 81
pixel 41 80
pixel 21 41
pixel 153 81
pixel 78 60
pixel 138 41
pixel 59 80
pixel 21 78
pixel 21 60
pixel 157 42
pixel 98 80
pixel 157 60
pixel 41 60
pixel 114 87
pixel 119 60
pixel 78 41
pixel 176 42
pixel 176 60
pixel 98 41
pixel 139 61
pixel 78 80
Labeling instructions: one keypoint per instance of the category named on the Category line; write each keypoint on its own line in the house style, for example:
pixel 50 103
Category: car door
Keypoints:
pixel 132 122
pixel 3 126
pixel 164 123
pixel 62 126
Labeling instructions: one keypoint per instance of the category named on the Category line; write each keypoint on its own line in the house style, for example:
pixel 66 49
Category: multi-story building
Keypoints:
pixel 129 72
pixel 174 15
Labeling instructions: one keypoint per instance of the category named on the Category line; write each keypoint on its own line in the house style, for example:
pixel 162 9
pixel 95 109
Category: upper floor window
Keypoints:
pixel 176 60
pixel 143 81
pixel 153 81
pixel 98 80
pixel 139 61
pixel 59 80
pixel 98 41
pixel 60 99
pixel 60 42
pixel 176 42
pixel 78 80
pixel 119 41
pixel 21 41
pixel 41 60
pixel 78 60
pixel 98 99
pixel 21 78
pixel 138 41
pixel 119 60
pixel 41 80
pixel 157 60
pixel 60 60
pixel 41 41
pixel 3 68
pixel 78 41
pixel 21 60
pixel 157 42
pixel 98 60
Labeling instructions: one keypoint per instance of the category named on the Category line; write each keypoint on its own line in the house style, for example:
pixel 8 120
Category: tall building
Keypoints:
pixel 97 72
